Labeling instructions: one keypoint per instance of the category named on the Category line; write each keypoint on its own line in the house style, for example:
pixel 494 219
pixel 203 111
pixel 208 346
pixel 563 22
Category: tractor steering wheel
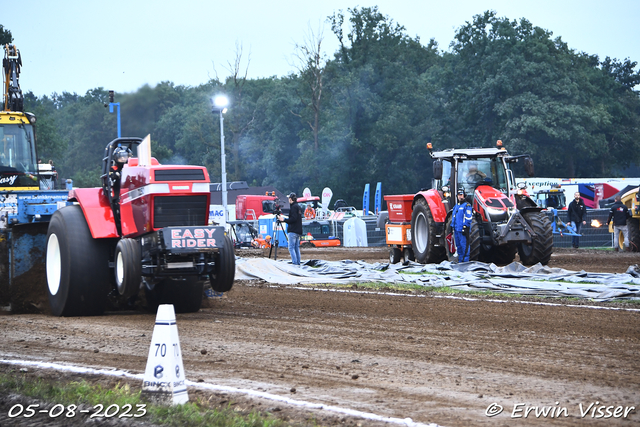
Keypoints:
pixel 474 178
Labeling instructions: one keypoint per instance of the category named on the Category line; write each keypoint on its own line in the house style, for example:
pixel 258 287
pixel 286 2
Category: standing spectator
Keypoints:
pixel 294 228
pixel 577 212
pixel 619 214
pixel 461 223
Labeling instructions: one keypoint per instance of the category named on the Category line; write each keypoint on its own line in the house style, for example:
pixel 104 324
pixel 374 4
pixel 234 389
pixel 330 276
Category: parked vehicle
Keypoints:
pixel 505 220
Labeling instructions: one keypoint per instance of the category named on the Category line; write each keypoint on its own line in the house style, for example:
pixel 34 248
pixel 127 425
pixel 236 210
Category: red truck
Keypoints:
pixel 252 206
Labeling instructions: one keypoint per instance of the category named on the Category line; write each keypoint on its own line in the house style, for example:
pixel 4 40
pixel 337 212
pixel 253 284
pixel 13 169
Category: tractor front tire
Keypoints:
pixel 541 248
pixel 423 235
pixel 77 265
pixel 225 268
pixel 634 234
pixel 128 267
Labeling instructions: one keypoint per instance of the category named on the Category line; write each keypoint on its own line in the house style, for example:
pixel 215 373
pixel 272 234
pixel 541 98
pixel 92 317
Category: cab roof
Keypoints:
pixel 470 153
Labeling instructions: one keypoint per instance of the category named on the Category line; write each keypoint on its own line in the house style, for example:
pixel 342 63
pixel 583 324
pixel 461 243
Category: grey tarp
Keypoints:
pixel 514 278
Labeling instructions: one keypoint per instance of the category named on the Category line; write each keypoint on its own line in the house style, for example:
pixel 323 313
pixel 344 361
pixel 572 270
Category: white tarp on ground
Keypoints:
pixel 514 278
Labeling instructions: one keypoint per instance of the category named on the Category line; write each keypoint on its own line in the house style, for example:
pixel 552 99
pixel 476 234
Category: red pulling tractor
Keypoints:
pixel 506 220
pixel 146 227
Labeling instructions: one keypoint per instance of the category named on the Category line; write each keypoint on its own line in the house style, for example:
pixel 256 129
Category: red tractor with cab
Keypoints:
pixel 146 227
pixel 505 219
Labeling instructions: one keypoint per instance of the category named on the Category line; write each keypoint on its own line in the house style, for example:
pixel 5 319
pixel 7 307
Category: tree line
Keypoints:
pixel 365 114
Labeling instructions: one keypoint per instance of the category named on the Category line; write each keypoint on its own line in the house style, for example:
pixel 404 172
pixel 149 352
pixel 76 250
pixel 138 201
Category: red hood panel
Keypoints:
pixel 493 198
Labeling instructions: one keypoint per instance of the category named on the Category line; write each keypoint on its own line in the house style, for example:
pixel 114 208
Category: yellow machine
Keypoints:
pixel 631 199
pixel 26 206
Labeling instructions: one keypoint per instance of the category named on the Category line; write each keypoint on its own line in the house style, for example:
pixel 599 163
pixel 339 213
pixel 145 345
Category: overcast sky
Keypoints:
pixel 77 45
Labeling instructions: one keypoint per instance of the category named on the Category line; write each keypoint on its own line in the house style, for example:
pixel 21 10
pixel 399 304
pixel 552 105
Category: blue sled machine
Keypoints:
pixel 27 199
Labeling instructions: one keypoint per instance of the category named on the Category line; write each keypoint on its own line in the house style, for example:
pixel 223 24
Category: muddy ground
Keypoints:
pixel 430 357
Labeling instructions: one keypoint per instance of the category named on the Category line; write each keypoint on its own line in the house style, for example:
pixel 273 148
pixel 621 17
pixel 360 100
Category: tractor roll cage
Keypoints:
pixel 111 171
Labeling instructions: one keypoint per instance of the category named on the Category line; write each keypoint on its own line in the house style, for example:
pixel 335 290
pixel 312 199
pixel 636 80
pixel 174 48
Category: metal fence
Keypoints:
pixel 592 236
pixel 375 235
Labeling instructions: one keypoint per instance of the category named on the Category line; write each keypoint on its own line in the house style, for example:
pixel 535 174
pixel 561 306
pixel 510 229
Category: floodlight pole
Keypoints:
pixel 220 103
pixel 223 169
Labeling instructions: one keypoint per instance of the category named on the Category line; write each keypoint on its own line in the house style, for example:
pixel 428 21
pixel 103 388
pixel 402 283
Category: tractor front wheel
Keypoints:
pixel 77 265
pixel 541 247
pixel 128 267
pixel 225 268
pixel 423 235
pixel 634 234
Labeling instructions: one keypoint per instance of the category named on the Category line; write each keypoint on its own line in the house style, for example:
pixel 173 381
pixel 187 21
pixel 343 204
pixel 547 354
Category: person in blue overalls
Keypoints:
pixel 461 223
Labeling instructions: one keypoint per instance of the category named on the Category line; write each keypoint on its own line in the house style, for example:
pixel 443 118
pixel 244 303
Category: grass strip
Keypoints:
pixel 83 393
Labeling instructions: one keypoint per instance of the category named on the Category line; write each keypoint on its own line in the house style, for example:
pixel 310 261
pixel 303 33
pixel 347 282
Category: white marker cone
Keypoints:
pixel 164 380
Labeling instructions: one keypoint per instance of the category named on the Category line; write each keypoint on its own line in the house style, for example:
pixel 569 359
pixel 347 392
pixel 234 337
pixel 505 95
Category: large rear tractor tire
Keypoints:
pixel 541 248
pixel 128 267
pixel 634 234
pixel 450 246
pixel 77 265
pixel 473 241
pixel 423 231
pixel 184 293
pixel 225 268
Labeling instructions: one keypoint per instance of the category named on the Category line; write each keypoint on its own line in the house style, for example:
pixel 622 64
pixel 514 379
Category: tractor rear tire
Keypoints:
pixel 77 265
pixel 541 248
pixel 473 240
pixel 450 237
pixel 423 235
pixel 225 268
pixel 634 234
pixel 128 267
pixel 185 294
pixel 394 255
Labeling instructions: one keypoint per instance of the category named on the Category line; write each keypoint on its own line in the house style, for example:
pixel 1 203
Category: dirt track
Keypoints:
pixel 429 357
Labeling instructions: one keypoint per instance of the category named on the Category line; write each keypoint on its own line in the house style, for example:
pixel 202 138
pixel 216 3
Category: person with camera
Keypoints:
pixel 461 223
pixel 294 227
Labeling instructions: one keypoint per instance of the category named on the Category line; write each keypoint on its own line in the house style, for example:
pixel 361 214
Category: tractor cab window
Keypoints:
pixel 551 201
pixel 472 173
pixel 447 179
pixel 309 204
pixel 17 156
pixel 268 206
pixel 245 233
